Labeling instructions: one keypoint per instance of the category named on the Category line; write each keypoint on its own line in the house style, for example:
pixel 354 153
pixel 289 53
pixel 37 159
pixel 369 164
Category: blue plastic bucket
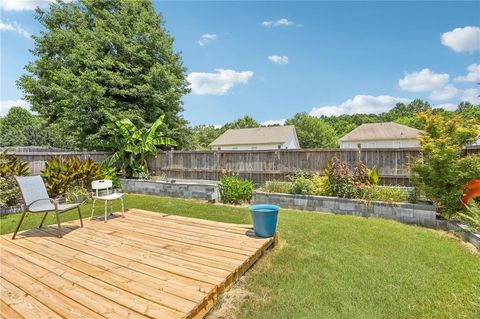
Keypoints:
pixel 264 219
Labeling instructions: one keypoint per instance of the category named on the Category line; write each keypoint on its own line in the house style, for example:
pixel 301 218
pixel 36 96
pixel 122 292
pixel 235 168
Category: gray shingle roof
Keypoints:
pixel 381 131
pixel 260 135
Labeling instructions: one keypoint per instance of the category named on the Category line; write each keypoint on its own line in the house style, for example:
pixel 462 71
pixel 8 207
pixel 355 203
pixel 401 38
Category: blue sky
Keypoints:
pixel 274 59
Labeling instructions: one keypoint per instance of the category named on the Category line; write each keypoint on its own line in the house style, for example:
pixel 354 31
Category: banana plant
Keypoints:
pixel 133 145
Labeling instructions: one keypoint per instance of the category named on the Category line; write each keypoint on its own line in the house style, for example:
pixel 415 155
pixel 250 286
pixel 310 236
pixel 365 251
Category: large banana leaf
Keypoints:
pixel 133 145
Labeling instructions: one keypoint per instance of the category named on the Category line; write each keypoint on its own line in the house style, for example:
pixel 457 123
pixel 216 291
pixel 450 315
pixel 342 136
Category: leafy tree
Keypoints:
pixel 102 60
pixel 468 111
pixel 244 122
pixel 203 135
pixel 443 170
pixel 313 132
pixel 21 128
pixel 133 145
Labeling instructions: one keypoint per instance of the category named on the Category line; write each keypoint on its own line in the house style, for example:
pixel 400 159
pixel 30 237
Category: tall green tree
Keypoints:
pixel 203 135
pixel 313 132
pixel 102 60
pixel 21 128
pixel 244 122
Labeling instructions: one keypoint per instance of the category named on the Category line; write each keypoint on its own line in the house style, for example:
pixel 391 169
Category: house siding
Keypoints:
pixel 248 147
pixel 400 143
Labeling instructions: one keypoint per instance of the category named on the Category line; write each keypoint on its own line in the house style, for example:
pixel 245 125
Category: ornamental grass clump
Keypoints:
pixel 276 187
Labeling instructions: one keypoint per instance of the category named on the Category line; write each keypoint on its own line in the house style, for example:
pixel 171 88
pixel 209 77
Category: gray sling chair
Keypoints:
pixel 36 200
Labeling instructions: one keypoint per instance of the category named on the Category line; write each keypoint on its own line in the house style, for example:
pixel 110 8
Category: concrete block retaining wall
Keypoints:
pixel 420 214
pixel 207 192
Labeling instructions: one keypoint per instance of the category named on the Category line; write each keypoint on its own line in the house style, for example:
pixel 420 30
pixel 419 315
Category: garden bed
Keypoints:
pixel 196 190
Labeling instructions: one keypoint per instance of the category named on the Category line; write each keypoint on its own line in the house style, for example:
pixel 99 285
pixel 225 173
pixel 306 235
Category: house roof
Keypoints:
pixel 381 131
pixel 259 135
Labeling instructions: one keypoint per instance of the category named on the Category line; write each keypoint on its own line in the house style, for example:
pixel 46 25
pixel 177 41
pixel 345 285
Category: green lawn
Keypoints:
pixel 332 266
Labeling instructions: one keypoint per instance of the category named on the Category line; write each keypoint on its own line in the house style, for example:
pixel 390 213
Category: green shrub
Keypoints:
pixel 65 176
pixel 234 190
pixel 10 166
pixel 302 185
pixel 340 178
pixel 320 185
pixel 9 192
pixel 363 176
pixel 277 187
pixel 385 194
pixel 443 169
pixel 347 182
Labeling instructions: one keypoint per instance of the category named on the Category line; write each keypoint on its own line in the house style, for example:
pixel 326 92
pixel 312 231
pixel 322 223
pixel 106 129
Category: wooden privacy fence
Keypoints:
pixel 260 166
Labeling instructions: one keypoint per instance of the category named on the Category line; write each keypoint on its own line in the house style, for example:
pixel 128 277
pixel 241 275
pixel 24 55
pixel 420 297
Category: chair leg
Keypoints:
pixel 93 209
pixel 58 223
pixel 123 209
pixel 19 223
pixel 111 207
pixel 43 219
pixel 80 215
pixel 106 211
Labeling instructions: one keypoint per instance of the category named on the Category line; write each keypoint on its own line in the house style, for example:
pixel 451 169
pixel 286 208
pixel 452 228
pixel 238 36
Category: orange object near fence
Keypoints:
pixel 472 189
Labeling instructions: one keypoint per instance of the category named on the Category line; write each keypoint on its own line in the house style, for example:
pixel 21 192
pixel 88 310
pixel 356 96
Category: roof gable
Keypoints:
pixel 259 135
pixel 381 131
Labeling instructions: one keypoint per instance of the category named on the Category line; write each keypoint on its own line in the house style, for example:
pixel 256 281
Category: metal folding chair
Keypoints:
pixel 36 200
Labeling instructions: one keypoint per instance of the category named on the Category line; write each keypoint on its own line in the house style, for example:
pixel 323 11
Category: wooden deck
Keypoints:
pixel 146 265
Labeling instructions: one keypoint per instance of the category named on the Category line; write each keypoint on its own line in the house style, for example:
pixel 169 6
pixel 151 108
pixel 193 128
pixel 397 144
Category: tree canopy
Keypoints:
pixel 21 128
pixel 313 132
pixel 102 60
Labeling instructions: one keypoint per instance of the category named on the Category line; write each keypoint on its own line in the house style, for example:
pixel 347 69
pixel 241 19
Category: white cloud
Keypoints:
pixel 14 27
pixel 274 122
pixel 283 22
pixel 471 95
pixel 473 74
pixel 218 83
pixel 23 5
pixel 206 39
pixel 447 106
pixel 423 81
pixel 6 105
pixel 445 93
pixel 278 59
pixel 360 104
pixel 465 39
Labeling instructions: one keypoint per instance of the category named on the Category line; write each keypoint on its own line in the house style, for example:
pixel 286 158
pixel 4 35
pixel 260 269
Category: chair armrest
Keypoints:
pixel 52 200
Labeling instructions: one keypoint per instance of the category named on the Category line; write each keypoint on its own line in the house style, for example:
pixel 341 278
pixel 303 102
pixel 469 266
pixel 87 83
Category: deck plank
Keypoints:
pixel 210 236
pixel 144 265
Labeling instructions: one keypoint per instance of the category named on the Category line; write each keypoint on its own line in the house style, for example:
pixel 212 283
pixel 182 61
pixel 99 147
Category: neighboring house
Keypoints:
pixel 381 135
pixel 261 138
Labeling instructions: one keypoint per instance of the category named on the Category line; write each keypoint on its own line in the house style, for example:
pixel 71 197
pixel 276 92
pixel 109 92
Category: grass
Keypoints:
pixel 334 266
